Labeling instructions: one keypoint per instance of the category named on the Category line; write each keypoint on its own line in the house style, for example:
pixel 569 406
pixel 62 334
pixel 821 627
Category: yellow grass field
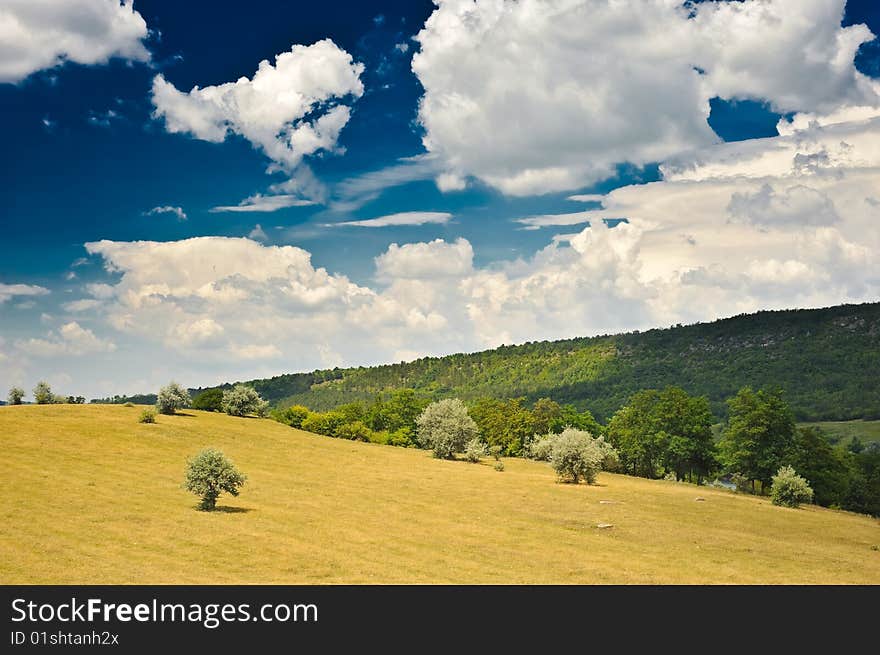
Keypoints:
pixel 92 496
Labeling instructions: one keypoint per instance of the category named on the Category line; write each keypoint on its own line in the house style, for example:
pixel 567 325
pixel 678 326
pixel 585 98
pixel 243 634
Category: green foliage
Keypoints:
pixel 664 431
pixel 789 489
pixel 171 398
pixel 445 427
pixel 147 416
pixel 505 423
pixel 292 416
pixel 499 466
pixel 827 468
pixel 209 474
pixel 354 431
pixel 15 396
pixel 576 455
pixel 43 394
pixel 760 431
pixel 824 359
pixel 475 450
pixel 242 400
pixel 210 400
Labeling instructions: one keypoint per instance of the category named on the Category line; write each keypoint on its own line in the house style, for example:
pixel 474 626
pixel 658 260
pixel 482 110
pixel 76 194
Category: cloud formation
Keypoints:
pixel 41 34
pixel 8 291
pixel 598 83
pixel 396 220
pixel 288 110
pixel 167 209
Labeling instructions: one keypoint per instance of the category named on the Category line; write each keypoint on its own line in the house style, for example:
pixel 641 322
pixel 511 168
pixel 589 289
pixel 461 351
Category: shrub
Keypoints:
pixel 292 416
pixel 475 450
pixel 43 394
pixel 445 427
pixel 354 431
pixel 171 398
pixel 401 437
pixel 495 452
pixel 499 466
pixel 15 395
pixel 242 400
pixel 210 400
pixel 128 404
pixel 209 474
pixel 789 489
pixel 741 482
pixel 575 454
pixel 671 477
pixel 148 416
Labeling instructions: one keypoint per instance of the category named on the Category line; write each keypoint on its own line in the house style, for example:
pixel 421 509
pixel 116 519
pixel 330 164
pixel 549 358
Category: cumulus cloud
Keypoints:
pixel 70 339
pixel 799 205
pixel 288 110
pixel 41 34
pixel 167 209
pixel 258 234
pixel 426 260
pixel 395 220
pixel 548 95
pixel 82 305
pixel 9 291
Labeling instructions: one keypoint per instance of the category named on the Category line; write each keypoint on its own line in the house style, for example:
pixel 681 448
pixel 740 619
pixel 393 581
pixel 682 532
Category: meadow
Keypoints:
pixel 866 431
pixel 94 497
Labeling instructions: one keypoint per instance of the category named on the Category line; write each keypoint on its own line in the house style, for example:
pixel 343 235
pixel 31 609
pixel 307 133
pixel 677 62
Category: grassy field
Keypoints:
pixel 867 431
pixel 95 497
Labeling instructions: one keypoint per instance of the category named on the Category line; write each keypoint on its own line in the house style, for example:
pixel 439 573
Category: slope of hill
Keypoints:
pixel 826 360
pixel 92 496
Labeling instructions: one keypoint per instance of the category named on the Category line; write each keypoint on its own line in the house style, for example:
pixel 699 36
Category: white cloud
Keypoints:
pixel 258 234
pixel 548 95
pixel 40 34
pixel 82 305
pixel 545 220
pixel 261 203
pixel 402 218
pixel 71 339
pixel 425 260
pixel 8 291
pixel 167 209
pixel 352 193
pixel 798 205
pixel 286 109
pixel 587 197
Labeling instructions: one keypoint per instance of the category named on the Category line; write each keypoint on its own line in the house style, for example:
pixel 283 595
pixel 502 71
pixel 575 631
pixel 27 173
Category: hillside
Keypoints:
pixel 826 360
pixel 95 497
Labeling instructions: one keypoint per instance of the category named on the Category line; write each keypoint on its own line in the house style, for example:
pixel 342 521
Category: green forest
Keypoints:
pixel 825 360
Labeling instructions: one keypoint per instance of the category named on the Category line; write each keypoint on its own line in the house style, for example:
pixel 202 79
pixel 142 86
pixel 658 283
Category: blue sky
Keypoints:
pixel 508 112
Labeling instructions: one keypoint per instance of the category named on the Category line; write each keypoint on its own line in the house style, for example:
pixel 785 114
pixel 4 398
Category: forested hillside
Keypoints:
pixel 826 361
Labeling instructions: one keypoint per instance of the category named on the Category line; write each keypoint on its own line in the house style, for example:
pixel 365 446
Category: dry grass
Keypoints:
pixel 95 497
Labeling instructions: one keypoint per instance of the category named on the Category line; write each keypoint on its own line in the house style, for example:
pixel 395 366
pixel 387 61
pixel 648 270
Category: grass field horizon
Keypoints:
pixel 96 498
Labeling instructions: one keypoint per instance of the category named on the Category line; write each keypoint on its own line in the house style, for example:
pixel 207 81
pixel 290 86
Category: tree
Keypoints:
pixel 575 454
pixel 43 393
pixel 242 400
pixel 760 431
pixel 445 427
pixel 813 456
pixel 505 423
pixel 475 450
pixel 789 489
pixel 209 474
pixel 172 397
pixel 210 400
pixel 546 416
pixel 15 395
pixel 292 416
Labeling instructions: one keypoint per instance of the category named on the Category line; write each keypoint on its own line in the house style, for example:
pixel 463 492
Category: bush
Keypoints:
pixel 789 489
pixel 575 454
pixel 292 416
pixel 499 466
pixel 210 400
pixel 541 446
pixel 15 395
pixel 242 400
pixel 171 398
pixel 148 416
pixel 495 452
pixel 43 394
pixel 671 477
pixel 741 482
pixel 475 450
pixel 354 431
pixel 209 474
pixel 129 404
pixel 445 427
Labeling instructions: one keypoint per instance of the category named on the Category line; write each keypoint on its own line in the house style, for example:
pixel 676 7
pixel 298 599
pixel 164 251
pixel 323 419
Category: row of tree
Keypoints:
pixel 43 395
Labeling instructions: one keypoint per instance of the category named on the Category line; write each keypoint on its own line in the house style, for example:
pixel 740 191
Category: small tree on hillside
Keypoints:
pixel 789 489
pixel 242 400
pixel 210 400
pixel 209 474
pixel 446 427
pixel 575 454
pixel 171 398
pixel 15 395
pixel 43 393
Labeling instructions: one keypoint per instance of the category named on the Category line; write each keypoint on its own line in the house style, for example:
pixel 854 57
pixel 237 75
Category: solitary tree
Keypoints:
pixel 446 428
pixel 43 393
pixel 209 474
pixel 789 489
pixel 210 400
pixel 574 454
pixel 242 400
pixel 15 395
pixel 171 398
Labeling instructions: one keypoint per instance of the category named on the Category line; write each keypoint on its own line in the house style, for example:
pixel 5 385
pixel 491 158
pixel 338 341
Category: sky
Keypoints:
pixel 211 191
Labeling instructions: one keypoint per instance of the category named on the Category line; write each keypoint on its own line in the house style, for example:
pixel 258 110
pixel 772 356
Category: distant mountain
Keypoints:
pixel 826 360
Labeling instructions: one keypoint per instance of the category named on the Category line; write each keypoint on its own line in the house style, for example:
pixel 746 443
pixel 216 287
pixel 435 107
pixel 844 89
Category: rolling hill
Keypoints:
pixel 826 360
pixel 94 497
